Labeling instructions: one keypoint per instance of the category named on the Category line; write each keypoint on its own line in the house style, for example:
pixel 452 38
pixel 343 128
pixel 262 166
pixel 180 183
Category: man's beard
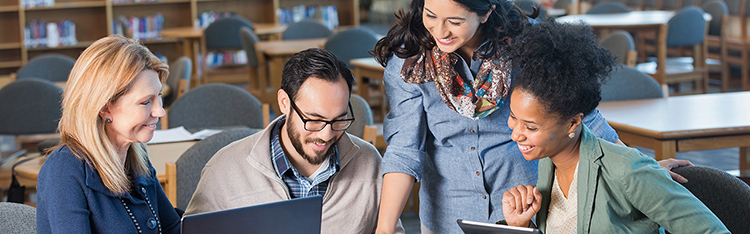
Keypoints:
pixel 294 136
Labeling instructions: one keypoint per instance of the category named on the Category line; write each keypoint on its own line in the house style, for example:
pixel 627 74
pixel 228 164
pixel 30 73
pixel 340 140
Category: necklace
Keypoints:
pixel 132 217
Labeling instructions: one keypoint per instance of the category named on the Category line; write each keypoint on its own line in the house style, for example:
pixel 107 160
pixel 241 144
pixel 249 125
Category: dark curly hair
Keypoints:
pixel 408 36
pixel 563 65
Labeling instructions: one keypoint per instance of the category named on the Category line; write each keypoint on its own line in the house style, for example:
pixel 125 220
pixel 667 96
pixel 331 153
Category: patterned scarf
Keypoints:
pixel 491 84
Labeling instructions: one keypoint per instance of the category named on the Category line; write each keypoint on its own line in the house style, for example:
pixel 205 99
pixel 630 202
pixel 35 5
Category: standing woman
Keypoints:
pixel 448 88
pixel 99 180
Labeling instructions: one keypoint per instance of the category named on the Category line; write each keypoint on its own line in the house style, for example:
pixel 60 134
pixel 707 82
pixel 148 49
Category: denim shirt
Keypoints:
pixel 464 165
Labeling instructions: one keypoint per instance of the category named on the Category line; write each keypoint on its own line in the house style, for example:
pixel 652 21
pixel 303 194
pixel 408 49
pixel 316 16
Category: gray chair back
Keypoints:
pixel 191 163
pixel 669 5
pixel 306 29
pixel 351 43
pixel 528 5
pixel 249 39
pixel 216 105
pixel 734 6
pixel 362 116
pixel 690 3
pixel 725 195
pixel 30 106
pixel 717 10
pixel 224 33
pixel 633 4
pixel 619 43
pixel 650 4
pixel 608 8
pixel 687 27
pixel 627 83
pixel 52 67
pixel 181 69
pixel 17 218
pixel 561 4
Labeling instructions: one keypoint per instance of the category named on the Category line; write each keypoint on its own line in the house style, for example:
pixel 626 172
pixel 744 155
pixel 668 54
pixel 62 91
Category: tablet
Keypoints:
pixel 471 227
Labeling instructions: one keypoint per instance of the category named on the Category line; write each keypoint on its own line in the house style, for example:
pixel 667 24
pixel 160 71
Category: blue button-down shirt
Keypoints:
pixel 299 185
pixel 464 165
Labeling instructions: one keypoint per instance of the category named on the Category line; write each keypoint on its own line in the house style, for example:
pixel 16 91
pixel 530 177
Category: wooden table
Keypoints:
pixel 684 123
pixel 644 21
pixel 370 68
pixel 159 154
pixel 273 54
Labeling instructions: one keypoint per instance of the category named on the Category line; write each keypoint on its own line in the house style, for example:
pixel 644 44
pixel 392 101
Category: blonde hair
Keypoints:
pixel 103 73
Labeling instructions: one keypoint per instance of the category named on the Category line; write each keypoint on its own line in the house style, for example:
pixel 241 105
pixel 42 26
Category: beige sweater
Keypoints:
pixel 242 174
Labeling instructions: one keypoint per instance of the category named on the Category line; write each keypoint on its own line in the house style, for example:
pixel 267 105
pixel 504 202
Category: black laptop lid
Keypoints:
pixel 300 215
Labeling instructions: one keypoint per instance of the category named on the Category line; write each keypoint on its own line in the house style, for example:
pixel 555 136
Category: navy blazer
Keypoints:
pixel 73 199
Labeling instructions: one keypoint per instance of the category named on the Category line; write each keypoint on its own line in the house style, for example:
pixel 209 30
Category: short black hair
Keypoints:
pixel 563 65
pixel 318 63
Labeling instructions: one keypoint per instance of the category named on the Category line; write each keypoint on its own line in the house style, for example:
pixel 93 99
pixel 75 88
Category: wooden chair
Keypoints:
pixel 627 83
pixel 608 8
pixel 371 135
pixel 216 105
pixel 221 36
pixel 687 28
pixel 306 29
pixel 621 43
pixel 184 174
pixel 257 75
pixel 362 114
pixel 736 39
pixel 30 110
pixel 52 67
pixel 716 41
pixel 178 81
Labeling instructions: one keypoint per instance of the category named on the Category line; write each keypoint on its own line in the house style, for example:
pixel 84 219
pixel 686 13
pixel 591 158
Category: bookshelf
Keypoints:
pixel 94 19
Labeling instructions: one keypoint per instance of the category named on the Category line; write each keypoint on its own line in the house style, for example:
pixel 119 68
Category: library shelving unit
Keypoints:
pixel 94 19
pixel 10 37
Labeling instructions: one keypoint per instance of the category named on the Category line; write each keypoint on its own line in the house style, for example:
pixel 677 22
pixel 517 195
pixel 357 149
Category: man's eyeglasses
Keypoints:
pixel 317 125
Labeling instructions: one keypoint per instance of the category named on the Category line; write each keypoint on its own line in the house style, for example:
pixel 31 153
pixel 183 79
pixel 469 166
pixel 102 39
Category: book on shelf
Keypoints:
pixel 37 3
pixel 328 15
pixel 39 33
pixel 139 28
pixel 224 58
pixel 208 17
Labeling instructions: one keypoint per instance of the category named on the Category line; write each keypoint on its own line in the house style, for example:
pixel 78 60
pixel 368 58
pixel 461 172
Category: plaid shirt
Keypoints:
pixel 299 185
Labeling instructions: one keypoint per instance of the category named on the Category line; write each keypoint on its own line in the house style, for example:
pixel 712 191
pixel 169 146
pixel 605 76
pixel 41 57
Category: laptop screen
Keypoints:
pixel 300 215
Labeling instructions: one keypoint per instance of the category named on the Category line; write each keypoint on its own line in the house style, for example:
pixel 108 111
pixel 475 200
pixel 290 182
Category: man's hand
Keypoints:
pixel 520 204
pixel 670 163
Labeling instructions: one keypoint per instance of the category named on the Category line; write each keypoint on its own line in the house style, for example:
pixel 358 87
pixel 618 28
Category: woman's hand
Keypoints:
pixel 670 163
pixel 520 204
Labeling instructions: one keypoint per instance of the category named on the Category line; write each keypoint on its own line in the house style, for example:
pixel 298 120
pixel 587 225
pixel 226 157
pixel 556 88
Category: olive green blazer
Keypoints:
pixel 621 190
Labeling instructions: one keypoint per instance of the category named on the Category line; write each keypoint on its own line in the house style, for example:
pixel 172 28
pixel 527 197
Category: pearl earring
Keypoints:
pixel 571 135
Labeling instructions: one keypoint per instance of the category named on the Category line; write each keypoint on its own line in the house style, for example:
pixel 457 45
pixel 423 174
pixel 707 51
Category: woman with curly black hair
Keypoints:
pixel 586 184
pixel 448 84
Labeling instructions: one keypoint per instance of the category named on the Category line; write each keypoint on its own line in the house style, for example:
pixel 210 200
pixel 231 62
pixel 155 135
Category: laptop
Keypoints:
pixel 471 227
pixel 301 215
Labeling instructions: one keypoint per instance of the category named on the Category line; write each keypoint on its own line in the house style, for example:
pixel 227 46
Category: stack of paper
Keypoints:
pixel 180 134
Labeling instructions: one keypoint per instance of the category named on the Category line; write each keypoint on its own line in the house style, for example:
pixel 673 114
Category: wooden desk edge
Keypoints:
pixel 673 135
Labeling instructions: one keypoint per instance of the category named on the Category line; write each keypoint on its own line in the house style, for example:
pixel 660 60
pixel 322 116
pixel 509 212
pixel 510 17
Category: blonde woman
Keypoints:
pixel 99 180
